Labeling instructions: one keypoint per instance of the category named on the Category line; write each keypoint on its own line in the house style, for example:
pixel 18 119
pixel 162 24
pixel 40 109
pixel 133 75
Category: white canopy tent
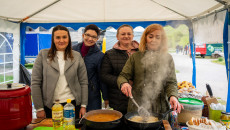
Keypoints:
pixel 50 11
pixel 16 15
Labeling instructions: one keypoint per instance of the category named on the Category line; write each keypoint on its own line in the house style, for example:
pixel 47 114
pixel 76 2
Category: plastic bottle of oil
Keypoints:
pixel 69 116
pixel 57 116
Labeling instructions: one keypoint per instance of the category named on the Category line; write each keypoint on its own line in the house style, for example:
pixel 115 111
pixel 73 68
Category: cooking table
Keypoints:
pixel 48 123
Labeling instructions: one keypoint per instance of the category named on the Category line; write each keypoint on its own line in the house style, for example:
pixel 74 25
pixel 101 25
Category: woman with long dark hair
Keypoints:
pixel 59 73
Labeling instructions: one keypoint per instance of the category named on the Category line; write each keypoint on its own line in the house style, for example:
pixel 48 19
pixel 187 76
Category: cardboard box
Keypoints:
pixel 210 100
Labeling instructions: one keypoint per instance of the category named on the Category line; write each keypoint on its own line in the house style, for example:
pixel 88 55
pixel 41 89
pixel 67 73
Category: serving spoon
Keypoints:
pixel 141 110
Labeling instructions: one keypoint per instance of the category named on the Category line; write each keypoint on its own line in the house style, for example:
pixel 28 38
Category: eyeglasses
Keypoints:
pixel 88 36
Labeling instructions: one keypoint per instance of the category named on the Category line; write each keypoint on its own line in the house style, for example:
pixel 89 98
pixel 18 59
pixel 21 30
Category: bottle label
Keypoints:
pixel 69 113
pixel 225 121
pixel 57 114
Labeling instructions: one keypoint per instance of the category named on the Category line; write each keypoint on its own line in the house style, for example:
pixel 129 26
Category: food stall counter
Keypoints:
pixel 39 122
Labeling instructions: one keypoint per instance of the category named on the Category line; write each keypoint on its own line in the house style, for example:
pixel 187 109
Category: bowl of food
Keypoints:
pixel 204 124
pixel 103 119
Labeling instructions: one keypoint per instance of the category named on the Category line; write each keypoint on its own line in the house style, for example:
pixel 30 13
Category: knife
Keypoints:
pixel 209 90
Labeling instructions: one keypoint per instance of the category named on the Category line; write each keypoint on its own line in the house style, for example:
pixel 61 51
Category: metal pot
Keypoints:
pixel 16 106
pixel 145 126
pixel 103 125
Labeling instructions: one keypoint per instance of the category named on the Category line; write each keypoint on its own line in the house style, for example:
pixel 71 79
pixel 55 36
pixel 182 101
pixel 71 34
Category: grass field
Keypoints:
pixel 220 60
pixel 29 65
pixel 7 78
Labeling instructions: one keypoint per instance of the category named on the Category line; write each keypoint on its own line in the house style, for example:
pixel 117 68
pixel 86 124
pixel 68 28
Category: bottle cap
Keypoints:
pixel 68 100
pixel 226 113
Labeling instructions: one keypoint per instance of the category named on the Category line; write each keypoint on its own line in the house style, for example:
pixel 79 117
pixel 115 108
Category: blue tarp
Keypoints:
pixel 44 41
pixel 36 42
pixel 102 25
pixel 31 45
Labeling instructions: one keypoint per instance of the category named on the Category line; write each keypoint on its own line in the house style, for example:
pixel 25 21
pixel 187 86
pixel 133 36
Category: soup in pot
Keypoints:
pixel 139 119
pixel 103 117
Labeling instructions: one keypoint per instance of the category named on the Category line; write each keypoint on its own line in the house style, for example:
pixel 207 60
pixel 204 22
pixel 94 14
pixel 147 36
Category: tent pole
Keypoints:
pixel 227 105
pixel 221 2
pixel 193 53
pixel 24 19
pixel 228 60
pixel 226 43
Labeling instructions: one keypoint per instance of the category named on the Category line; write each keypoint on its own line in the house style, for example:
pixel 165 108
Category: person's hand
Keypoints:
pixel 82 112
pixel 106 103
pixel 41 114
pixel 175 104
pixel 126 89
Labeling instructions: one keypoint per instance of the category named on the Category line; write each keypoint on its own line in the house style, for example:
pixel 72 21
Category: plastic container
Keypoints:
pixel 192 108
pixel 69 116
pixel 225 119
pixel 214 114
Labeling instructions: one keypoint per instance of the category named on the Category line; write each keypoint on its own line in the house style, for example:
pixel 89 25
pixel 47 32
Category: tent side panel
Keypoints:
pixel 44 41
pixel 31 45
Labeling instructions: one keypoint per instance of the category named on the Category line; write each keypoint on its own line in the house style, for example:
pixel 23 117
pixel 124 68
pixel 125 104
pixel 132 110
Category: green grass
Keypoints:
pixel 220 60
pixel 29 65
pixel 7 78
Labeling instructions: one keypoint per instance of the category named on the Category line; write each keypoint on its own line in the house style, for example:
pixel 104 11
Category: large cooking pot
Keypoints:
pixel 103 125
pixel 145 125
pixel 16 106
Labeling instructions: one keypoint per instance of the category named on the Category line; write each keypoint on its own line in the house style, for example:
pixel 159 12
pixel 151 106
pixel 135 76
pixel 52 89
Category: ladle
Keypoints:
pixel 141 110
pixel 81 119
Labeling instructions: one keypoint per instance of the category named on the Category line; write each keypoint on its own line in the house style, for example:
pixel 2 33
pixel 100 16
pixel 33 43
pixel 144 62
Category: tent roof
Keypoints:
pixel 51 11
